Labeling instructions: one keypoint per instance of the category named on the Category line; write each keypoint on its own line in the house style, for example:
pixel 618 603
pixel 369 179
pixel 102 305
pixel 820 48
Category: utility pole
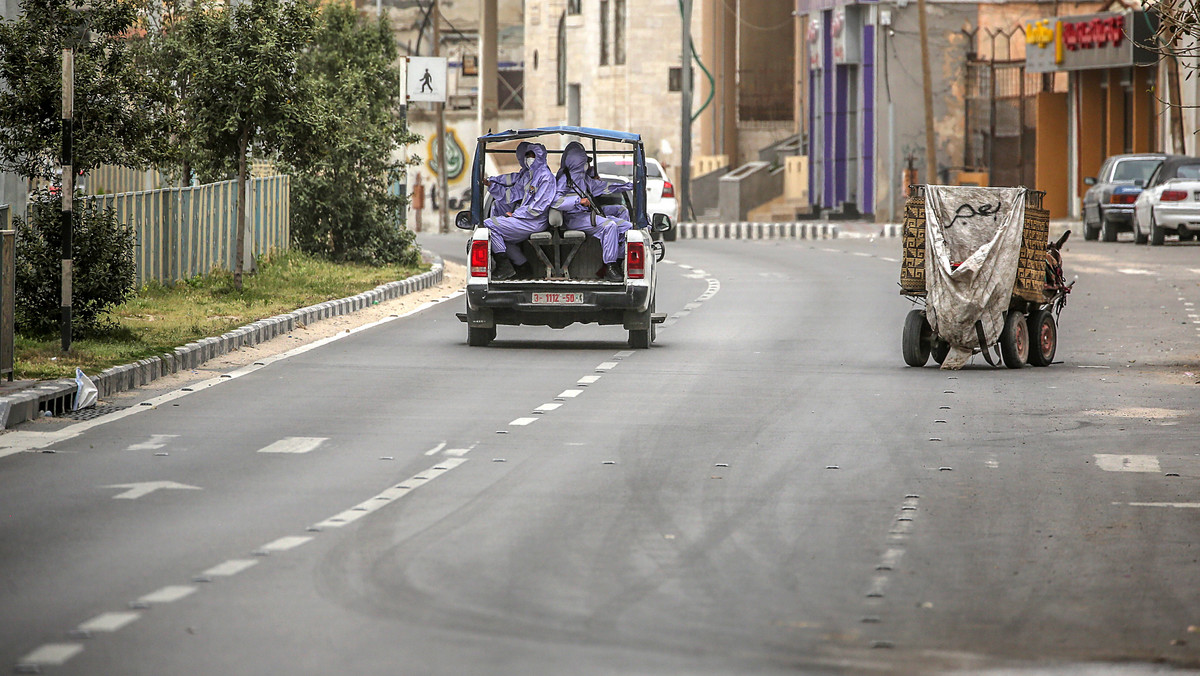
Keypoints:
pixel 685 113
pixel 68 188
pixel 442 188
pixel 488 101
pixel 927 85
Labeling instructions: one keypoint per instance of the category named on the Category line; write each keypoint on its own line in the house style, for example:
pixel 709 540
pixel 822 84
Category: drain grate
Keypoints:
pixel 93 412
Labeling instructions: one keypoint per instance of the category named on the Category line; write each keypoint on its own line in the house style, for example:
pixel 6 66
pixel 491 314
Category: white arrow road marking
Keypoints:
pixel 156 442
pixel 108 622
pixel 147 487
pixel 294 445
pixel 167 594
pixel 1127 463
pixel 51 654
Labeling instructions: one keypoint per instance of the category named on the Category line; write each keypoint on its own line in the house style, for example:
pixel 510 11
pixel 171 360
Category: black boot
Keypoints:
pixel 504 268
pixel 612 273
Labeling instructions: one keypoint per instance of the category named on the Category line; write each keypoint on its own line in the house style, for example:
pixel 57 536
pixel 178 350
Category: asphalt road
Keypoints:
pixel 767 490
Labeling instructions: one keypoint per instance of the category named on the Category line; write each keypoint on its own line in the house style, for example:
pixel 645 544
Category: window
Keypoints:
pixel 562 60
pixel 573 6
pixel 619 32
pixel 603 32
pixel 1128 171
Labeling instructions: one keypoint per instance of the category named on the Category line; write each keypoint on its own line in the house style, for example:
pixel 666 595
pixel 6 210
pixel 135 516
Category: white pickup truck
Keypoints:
pixel 565 285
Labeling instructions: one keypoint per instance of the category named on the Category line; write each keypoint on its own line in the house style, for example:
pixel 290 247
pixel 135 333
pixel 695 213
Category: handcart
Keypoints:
pixel 1030 326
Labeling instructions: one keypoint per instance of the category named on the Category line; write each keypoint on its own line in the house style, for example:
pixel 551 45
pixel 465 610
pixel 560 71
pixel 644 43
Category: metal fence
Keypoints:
pixel 8 284
pixel 184 232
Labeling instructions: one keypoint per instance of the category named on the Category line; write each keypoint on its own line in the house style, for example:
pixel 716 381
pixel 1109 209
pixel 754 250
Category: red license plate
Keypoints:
pixel 557 298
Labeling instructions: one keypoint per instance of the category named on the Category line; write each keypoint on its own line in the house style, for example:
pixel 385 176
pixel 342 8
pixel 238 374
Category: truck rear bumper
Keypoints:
pixel 488 307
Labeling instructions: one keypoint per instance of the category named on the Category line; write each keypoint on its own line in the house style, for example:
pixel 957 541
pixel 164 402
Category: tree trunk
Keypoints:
pixel 240 248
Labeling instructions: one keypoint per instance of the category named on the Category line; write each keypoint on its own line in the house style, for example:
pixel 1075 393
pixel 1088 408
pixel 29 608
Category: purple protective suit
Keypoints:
pixel 607 223
pixel 531 216
pixel 507 190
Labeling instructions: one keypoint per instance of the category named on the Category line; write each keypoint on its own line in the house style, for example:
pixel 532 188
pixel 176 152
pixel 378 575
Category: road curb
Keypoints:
pixel 746 230
pixel 58 396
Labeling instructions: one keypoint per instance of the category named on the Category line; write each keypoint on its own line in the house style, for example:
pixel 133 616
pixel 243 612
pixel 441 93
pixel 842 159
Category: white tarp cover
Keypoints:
pixel 979 228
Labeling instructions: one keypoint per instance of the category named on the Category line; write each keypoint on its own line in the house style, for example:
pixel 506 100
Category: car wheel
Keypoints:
pixel 1043 337
pixel 917 338
pixel 1187 236
pixel 1139 237
pixel 1157 234
pixel 1014 340
pixel 1108 230
pixel 1090 232
pixel 480 337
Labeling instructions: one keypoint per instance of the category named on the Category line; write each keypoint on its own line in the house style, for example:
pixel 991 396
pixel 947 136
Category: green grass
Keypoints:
pixel 161 318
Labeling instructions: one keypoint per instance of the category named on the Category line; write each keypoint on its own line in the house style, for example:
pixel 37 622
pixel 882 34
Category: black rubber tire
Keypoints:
pixel 1090 233
pixel 1108 230
pixel 1157 234
pixel 670 235
pixel 1043 337
pixel 938 350
pixel 917 339
pixel 1139 237
pixel 480 337
pixel 1187 236
pixel 1014 340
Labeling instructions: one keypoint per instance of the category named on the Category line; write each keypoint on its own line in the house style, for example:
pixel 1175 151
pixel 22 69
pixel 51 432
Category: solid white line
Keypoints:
pixel 890 260
pixel 109 621
pixel 294 445
pixel 20 442
pixel 864 255
pixel 390 495
pixel 168 594
pixel 607 366
pixel 523 421
pixel 569 394
pixel 588 380
pixel 1134 271
pixel 285 543
pixel 51 654
pixel 459 452
pixel 546 408
pixel 1177 505
pixel 231 567
pixel 1127 463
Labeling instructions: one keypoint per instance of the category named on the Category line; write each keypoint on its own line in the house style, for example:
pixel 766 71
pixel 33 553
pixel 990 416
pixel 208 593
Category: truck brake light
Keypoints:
pixel 635 260
pixel 479 258
pixel 1173 195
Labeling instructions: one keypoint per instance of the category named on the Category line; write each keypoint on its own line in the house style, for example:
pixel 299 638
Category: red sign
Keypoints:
pixel 1098 32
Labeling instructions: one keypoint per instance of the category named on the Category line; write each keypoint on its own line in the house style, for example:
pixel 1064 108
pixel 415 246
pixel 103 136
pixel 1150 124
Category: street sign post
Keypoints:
pixel 427 79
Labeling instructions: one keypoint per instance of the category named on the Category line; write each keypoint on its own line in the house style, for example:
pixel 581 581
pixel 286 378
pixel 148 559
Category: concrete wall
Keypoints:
pixel 632 96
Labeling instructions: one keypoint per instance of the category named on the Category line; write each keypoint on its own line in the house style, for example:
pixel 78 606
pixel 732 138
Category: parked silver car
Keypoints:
pixel 1108 203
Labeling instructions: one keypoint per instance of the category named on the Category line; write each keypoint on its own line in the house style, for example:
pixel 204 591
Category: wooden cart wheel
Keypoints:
pixel 917 338
pixel 1043 337
pixel 1014 340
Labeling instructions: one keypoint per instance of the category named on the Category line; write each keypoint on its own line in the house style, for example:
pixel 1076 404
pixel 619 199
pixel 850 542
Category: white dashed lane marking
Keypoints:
pixel 285 543
pixel 606 366
pixel 1127 463
pixel 521 422
pixel 294 445
pixel 49 655
pixel 1175 505
pixel 231 567
pixel 569 394
pixel 108 622
pixel 588 380
pixel 546 408
pixel 169 594
pixel 388 496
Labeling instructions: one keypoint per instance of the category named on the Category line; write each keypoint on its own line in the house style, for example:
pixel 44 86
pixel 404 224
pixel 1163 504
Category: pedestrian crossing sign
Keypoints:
pixel 427 79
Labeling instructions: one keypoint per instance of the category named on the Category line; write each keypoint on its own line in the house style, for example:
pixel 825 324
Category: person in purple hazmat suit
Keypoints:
pixel 577 191
pixel 507 190
pixel 515 226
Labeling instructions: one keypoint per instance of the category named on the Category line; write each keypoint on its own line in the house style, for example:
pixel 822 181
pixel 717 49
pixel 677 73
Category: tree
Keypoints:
pixel 117 113
pixel 342 207
pixel 244 89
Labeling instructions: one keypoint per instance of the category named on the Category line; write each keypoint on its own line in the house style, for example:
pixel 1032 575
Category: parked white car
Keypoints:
pixel 660 192
pixel 1170 204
